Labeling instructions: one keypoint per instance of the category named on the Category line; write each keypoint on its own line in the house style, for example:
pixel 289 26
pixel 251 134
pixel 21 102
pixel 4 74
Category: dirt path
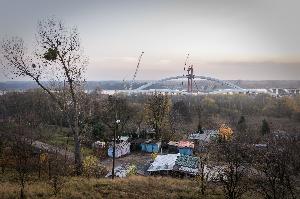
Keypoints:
pixel 136 158
pixel 53 149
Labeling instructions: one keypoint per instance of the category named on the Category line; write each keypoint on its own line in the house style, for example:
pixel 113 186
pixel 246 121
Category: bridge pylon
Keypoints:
pixel 190 76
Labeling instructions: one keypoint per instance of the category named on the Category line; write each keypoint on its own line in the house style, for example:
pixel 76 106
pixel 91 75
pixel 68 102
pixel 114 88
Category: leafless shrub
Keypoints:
pixel 22 152
pixel 276 170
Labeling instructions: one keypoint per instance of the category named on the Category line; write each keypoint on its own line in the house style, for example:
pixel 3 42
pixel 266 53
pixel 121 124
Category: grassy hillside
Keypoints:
pixel 132 187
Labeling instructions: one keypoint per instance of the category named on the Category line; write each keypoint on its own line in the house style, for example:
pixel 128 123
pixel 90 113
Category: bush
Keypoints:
pixel 132 170
pixel 92 167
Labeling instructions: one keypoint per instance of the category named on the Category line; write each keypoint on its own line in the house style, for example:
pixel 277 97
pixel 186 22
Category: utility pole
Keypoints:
pixel 114 153
pixel 115 137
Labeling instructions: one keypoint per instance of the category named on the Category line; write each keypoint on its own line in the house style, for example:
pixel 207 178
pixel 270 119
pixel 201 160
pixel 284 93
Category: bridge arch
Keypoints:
pixel 231 85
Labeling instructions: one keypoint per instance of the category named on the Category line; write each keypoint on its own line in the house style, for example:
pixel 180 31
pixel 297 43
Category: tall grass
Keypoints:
pixel 132 187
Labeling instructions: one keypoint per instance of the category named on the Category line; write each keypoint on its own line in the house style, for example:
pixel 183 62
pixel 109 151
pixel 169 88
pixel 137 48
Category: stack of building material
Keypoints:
pixel 123 171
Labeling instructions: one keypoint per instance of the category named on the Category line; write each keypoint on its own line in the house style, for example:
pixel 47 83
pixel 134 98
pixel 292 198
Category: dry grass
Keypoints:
pixel 132 187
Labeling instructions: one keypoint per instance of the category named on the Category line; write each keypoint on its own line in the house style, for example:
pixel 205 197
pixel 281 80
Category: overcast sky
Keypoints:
pixel 227 39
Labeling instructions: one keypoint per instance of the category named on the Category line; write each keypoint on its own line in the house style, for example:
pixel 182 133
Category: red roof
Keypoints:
pixel 187 144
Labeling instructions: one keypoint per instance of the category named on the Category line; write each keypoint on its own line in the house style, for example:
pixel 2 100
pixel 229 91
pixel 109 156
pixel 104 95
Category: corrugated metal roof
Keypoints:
pixel 188 161
pixel 206 136
pixel 187 164
pixel 163 162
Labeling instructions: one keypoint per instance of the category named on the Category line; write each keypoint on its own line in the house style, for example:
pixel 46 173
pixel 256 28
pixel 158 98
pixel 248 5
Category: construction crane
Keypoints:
pixel 190 74
pixel 185 63
pixel 124 83
pixel 136 71
pixel 186 60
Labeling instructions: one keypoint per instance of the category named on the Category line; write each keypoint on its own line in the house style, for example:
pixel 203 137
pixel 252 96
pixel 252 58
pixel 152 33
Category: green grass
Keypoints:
pixel 62 138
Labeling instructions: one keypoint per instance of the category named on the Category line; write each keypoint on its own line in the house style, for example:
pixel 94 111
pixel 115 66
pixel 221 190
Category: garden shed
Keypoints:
pixel 173 147
pixel 151 146
pixel 186 147
pixel 122 148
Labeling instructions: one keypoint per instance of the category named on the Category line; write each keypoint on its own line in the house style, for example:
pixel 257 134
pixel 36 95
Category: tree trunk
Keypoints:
pixel 22 195
pixel 77 153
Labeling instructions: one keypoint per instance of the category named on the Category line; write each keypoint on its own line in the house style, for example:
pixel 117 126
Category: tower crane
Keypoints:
pixel 190 74
pixel 136 71
pixel 185 63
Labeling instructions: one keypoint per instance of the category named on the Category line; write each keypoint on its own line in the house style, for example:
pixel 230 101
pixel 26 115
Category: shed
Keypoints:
pixel 136 144
pixel 151 146
pixel 122 148
pixel 206 136
pixel 173 147
pixel 186 147
pixel 98 144
pixel 203 138
pixel 163 163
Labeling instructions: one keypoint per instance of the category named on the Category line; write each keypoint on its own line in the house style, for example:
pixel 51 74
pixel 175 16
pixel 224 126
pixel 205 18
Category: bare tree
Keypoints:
pixel 233 175
pixel 276 172
pixel 57 57
pixel 22 152
pixel 203 172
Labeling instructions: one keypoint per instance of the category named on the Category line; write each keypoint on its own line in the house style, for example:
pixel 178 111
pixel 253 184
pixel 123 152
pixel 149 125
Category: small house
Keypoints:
pixel 186 147
pixel 98 144
pixel 151 146
pixel 201 139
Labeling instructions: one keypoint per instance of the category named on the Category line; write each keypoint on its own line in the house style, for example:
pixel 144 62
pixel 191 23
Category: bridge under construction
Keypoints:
pixel 225 87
